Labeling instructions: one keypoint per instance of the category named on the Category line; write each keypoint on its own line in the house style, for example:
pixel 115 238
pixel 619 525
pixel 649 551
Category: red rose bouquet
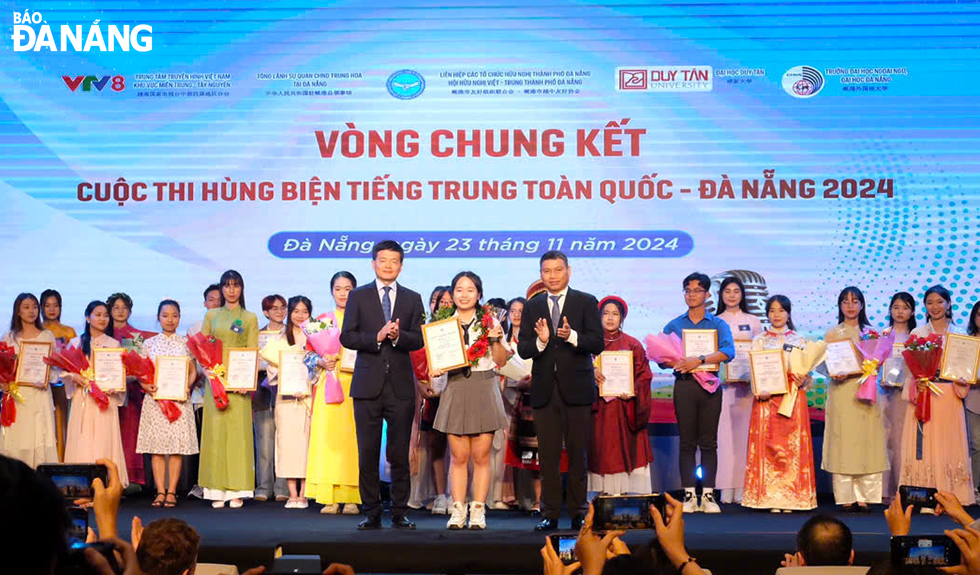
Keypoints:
pixel 207 351
pixel 72 360
pixel 923 355
pixel 143 369
pixel 8 373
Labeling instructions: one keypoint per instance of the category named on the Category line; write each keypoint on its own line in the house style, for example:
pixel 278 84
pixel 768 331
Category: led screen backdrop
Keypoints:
pixel 147 147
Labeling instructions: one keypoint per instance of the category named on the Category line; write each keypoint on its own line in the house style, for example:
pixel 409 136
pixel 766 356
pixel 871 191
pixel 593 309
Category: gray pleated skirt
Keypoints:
pixel 471 405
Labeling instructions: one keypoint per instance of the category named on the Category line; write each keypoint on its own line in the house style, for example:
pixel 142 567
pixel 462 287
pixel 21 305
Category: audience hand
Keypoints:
pixel 106 501
pixel 671 534
pixel 899 522
pixel 553 564
pixel 125 557
pixel 949 504
pixel 136 531
pixel 791 560
pixel 618 547
pixel 590 549
pixel 968 541
pixel 338 569
pixel 255 571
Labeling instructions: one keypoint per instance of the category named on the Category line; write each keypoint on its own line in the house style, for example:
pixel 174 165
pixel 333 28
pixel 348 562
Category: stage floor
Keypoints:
pixel 736 541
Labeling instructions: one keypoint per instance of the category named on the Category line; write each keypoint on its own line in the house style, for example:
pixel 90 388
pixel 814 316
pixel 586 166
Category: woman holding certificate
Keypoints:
pixel 31 436
pixel 332 464
pixel 779 472
pixel 892 392
pixel 935 453
pixel 736 399
pixel 471 409
pixel 93 432
pixel 619 450
pixel 972 401
pixel 175 371
pixel 51 309
pixel 854 436
pixel 227 453
pixel 290 372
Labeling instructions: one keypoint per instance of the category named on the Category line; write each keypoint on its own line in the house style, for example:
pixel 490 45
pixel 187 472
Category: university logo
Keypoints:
pixel 406 84
pixel 803 81
pixel 632 79
pixel 664 79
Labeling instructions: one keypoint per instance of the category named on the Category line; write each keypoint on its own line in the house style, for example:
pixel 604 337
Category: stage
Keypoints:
pixel 736 541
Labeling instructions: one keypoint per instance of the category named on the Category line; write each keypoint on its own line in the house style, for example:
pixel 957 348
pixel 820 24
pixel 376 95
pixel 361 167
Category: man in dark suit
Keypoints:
pixel 383 322
pixel 561 331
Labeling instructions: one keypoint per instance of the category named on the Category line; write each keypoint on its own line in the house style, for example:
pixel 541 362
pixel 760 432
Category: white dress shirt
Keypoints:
pixel 562 296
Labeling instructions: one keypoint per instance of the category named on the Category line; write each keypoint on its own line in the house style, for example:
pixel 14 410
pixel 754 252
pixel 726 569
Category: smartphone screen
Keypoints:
pixel 564 546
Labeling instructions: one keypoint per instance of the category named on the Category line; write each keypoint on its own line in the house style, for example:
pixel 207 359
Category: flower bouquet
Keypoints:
pixel 323 337
pixel 801 362
pixel 72 360
pixel 662 347
pixel 143 369
pixel 8 376
pixel 875 348
pixel 922 355
pixel 207 350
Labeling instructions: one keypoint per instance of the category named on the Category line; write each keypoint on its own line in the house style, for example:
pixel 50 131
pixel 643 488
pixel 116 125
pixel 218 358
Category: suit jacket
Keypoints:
pixel 363 319
pixel 560 361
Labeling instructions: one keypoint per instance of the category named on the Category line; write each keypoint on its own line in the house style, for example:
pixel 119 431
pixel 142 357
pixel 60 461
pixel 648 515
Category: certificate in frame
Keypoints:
pixel 620 366
pixel 32 368
pixel 110 375
pixel 764 365
pixel 448 356
pixel 242 371
pixel 701 342
pixel 348 359
pixel 166 364
pixel 838 360
pixel 961 354
pixel 294 379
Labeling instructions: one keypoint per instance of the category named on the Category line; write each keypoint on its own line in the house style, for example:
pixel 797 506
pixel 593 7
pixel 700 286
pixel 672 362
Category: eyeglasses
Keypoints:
pixel 694 291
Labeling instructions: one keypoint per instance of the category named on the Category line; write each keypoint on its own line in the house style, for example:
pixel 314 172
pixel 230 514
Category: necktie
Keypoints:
pixel 386 303
pixel 555 312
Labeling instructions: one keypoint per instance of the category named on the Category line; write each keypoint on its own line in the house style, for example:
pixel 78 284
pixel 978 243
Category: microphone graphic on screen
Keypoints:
pixel 756 291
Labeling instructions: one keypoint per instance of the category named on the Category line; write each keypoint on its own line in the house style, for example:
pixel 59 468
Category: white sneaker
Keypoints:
pixel 217 504
pixel 478 515
pixel 708 504
pixel 440 506
pixel 690 502
pixel 775 511
pixel 291 504
pixel 302 503
pixel 458 519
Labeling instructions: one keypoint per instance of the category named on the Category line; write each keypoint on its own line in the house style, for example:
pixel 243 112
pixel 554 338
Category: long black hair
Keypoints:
pixel 742 304
pixel 16 325
pixel 293 302
pixel 943 293
pixel 972 329
pixel 510 329
pixel 86 338
pixel 784 303
pixel 229 277
pixel 908 300
pixel 57 297
pixel 863 316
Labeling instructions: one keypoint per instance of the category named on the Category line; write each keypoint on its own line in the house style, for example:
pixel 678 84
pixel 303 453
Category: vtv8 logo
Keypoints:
pixel 87 82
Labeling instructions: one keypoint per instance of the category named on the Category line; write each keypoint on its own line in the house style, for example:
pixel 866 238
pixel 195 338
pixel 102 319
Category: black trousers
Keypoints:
pixel 369 415
pixel 697 414
pixel 557 423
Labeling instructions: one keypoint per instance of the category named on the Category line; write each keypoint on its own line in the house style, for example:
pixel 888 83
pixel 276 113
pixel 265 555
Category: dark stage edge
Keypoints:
pixel 736 541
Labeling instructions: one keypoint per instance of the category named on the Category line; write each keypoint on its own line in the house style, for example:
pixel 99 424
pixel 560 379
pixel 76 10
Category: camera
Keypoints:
pixel 933 550
pixel 917 497
pixel 74 480
pixel 564 546
pixel 627 511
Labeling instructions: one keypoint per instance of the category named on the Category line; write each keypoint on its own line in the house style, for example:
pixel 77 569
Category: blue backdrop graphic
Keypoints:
pixel 843 91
